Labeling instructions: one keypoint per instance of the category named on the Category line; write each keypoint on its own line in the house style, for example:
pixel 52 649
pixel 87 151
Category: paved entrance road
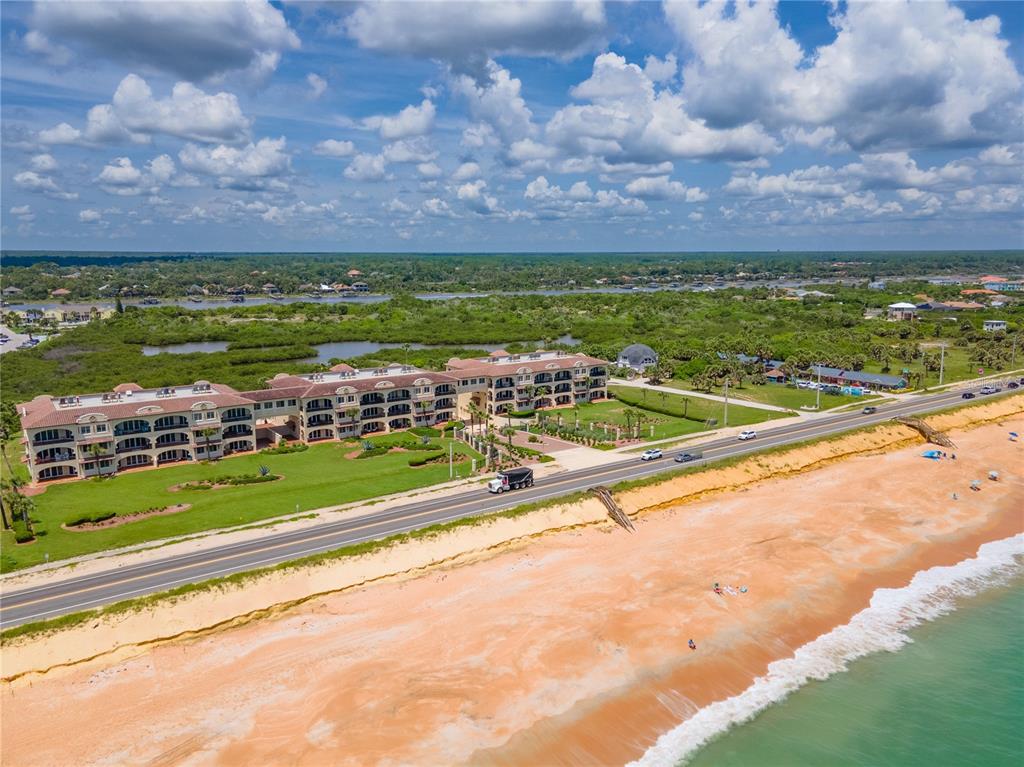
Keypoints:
pixel 76 594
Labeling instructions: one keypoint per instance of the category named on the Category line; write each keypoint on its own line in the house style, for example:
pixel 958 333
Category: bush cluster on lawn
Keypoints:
pixel 91 519
pixel 230 479
pixel 424 431
pixel 374 451
pixel 580 435
pixel 529 452
pixel 521 413
pixel 283 448
pixel 420 460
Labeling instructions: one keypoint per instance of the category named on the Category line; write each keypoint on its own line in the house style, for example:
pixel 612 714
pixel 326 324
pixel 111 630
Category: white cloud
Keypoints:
pixel 429 170
pixel 466 171
pixel 31 181
pixel 661 70
pixel 317 85
pixel 43 163
pixel 135 115
pixel 23 213
pixel 1002 155
pixel 580 191
pixel 161 168
pixel 366 167
pixel 334 148
pixel 474 195
pixel 254 166
pixel 416 150
pixel 628 120
pixel 60 134
pixel 39 44
pixel 497 101
pixel 89 216
pixel 660 188
pixel 188 39
pixel 580 202
pixel 411 121
pixel 436 208
pixel 897 75
pixel 120 177
pixel 466 34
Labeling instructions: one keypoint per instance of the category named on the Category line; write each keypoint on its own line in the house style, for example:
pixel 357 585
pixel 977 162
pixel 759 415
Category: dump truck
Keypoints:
pixel 511 479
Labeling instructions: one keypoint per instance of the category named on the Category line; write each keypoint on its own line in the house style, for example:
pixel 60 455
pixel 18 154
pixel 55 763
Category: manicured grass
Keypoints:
pixel 320 476
pixel 791 397
pixel 665 425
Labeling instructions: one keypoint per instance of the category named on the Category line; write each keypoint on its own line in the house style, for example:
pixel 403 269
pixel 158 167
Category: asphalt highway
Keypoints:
pixel 74 594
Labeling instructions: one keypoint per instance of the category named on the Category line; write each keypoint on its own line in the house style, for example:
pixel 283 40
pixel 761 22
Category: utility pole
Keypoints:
pixel 1013 351
pixel 942 362
pixel 451 459
pixel 817 392
pixel 725 414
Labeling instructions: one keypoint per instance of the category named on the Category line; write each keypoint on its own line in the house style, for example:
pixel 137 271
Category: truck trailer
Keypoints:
pixel 511 479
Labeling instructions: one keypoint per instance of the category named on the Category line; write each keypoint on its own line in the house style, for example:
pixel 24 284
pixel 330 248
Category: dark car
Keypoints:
pixel 967 395
pixel 687 457
pixel 1013 385
pixel 869 410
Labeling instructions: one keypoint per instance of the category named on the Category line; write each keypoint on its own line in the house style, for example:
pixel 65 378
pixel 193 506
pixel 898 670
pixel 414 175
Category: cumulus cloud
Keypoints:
pixel 366 167
pixel 135 115
pixel 474 195
pixel 43 163
pixel 31 181
pixel 89 216
pixel 552 202
pixel 411 121
pixel 334 148
pixel 190 40
pixel 317 85
pixel 660 188
pixel 898 74
pixel 416 150
pixel 120 177
pixel 466 171
pixel 497 101
pixel 255 166
pixel 467 34
pixel 629 120
pixel 39 44
pixel 429 170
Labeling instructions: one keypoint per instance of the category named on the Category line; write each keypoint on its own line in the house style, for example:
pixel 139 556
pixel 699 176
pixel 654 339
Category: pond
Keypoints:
pixel 189 348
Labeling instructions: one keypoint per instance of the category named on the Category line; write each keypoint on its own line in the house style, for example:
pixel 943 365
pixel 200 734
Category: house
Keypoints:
pixel 994 326
pixel 877 285
pixel 354 273
pixel 72 314
pixel 900 312
pixel 858 378
pixel 12 291
pixel 360 287
pixel 639 357
pixel 964 306
pixel 270 288
pixel 60 293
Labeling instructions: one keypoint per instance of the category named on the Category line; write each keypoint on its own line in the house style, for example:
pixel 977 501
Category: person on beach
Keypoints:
pixel 692 645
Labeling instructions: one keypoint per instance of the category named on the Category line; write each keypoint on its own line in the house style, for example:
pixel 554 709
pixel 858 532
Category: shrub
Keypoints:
pixel 372 452
pixel 90 519
pixel 283 448
pixel 452 425
pixel 521 413
pixel 420 460
pixel 425 431
pixel 23 536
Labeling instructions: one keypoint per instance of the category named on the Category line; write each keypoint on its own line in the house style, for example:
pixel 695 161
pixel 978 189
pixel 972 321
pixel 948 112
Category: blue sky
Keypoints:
pixel 512 126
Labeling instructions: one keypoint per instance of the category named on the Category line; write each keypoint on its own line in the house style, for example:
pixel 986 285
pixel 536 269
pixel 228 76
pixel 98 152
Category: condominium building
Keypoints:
pixel 503 382
pixel 131 427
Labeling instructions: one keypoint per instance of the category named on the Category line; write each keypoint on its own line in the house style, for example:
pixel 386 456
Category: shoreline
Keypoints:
pixel 569 644
pixel 639 716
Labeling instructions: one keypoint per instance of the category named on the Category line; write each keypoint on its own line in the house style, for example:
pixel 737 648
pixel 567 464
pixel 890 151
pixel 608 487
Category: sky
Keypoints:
pixel 512 126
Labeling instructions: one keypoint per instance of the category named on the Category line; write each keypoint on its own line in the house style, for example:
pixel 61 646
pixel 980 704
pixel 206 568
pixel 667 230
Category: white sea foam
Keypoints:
pixel 881 626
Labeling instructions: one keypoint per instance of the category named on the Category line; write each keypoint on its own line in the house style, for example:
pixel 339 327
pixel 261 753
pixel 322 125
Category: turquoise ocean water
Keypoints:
pixel 932 674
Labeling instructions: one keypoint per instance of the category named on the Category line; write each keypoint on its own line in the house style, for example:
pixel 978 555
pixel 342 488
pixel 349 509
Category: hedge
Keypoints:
pixel 425 431
pixel 373 451
pixel 284 448
pixel 521 413
pixel 420 460
pixel 102 516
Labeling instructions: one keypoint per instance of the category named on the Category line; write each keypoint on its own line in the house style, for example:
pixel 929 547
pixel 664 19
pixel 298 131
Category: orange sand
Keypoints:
pixel 570 650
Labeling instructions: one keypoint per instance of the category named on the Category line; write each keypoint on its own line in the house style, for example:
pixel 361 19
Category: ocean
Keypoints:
pixel 929 674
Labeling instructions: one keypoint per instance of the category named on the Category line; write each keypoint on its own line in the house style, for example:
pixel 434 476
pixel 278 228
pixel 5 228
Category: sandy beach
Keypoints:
pixel 571 649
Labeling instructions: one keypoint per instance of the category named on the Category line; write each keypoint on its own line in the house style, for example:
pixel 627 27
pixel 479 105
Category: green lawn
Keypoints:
pixel 320 476
pixel 665 425
pixel 786 396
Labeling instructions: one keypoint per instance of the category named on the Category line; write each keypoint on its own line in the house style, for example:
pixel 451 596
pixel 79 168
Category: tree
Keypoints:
pixel 118 306
pixel 508 432
pixel 95 450
pixel 491 439
pixel 206 433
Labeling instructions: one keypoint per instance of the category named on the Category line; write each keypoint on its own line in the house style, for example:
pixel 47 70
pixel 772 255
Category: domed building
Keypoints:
pixel 639 357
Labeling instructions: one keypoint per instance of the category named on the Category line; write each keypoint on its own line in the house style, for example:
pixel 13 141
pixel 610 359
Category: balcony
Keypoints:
pixel 373 412
pixel 236 418
pixel 444 403
pixel 444 390
pixel 54 440
pixel 563 375
pixel 133 448
pixel 542 378
pixel 371 399
pixel 562 388
pixel 503 396
pixel 314 407
pixel 129 430
pixel 399 410
pixel 316 421
pixel 237 431
pixel 176 442
pixel 402 396
pixel 54 458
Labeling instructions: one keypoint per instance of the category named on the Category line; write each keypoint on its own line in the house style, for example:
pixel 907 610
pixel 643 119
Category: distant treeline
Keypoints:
pixel 95 275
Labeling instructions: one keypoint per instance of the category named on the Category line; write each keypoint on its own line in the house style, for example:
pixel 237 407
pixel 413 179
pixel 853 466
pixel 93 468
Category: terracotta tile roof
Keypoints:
pixel 42 411
pixel 268 395
pixel 482 368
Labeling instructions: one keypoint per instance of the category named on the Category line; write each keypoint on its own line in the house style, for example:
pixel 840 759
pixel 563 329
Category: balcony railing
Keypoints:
pixel 237 432
pixel 169 426
pixel 53 440
pixel 234 418
pixel 176 443
pixel 321 406
pixel 132 449
pixel 444 390
pixel 129 432
pixel 56 458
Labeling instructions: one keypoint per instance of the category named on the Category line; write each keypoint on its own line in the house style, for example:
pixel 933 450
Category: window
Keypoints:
pixel 280 403
pixel 257 406
pixel 210 415
pixel 85 430
pixel 291 403
pixel 197 416
pixel 100 428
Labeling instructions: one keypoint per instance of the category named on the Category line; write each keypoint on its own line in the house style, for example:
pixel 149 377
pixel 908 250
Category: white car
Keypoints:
pixel 748 434
pixel 650 455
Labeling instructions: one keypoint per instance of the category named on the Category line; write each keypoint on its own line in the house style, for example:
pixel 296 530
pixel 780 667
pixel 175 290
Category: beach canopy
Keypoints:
pixel 933 454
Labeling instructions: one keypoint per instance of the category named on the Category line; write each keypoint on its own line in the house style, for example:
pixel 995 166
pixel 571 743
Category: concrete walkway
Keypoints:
pixel 697 394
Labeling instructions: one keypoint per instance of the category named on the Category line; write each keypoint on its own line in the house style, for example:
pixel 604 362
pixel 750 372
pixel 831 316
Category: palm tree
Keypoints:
pixel 96 451
pixel 686 405
pixel 206 433
pixel 576 413
pixel 490 439
pixel 508 432
pixel 541 392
